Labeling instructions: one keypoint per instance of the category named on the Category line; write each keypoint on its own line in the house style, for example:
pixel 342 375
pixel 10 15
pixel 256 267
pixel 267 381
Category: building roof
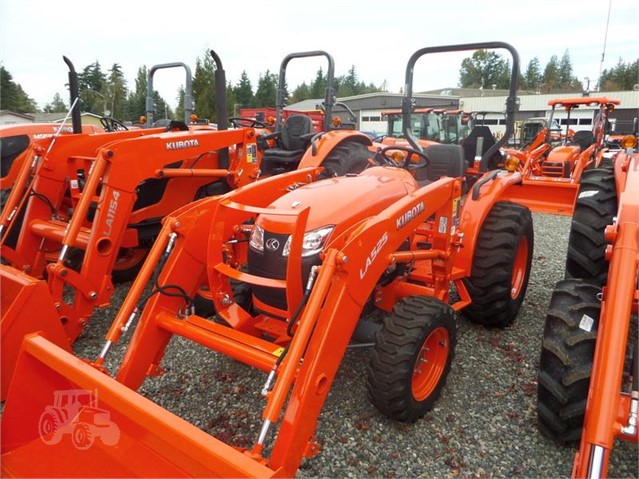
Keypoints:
pixel 26 116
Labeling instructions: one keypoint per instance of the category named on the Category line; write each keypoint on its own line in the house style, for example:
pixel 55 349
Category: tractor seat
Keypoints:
pixel 292 142
pixel 479 140
pixel 583 139
pixel 445 160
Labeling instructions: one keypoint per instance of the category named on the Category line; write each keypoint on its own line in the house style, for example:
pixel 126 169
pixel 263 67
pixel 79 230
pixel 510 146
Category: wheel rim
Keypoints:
pixel 128 258
pixel 520 267
pixel 430 363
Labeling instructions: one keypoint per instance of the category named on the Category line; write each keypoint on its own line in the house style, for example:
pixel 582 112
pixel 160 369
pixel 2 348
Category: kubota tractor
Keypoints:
pixel 588 388
pixel 293 263
pixel 552 172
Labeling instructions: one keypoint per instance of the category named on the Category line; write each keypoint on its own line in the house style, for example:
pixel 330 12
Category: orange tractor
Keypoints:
pixel 292 263
pixel 588 388
pixel 95 204
pixel 552 173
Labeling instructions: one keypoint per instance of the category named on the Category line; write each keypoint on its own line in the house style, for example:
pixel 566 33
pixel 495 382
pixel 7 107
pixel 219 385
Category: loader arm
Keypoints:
pixel 324 328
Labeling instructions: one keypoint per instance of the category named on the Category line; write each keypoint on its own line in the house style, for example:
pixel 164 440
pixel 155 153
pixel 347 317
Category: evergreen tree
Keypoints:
pixel 532 79
pixel 318 86
pixel 551 75
pixel 301 93
pixel 243 93
pixel 266 93
pixel 136 102
pixel 92 83
pixel 622 76
pixel 117 91
pixel 12 96
pixel 56 106
pixel 204 88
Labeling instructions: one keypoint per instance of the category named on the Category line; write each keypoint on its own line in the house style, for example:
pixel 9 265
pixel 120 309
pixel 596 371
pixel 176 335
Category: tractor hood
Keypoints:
pixel 343 201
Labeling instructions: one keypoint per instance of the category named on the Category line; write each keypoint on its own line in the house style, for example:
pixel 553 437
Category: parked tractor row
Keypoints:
pixel 266 243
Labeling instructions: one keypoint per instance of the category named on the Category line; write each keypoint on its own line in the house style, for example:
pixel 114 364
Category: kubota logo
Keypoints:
pixel 112 208
pixel 179 145
pixel 407 216
pixel 373 254
pixel 76 412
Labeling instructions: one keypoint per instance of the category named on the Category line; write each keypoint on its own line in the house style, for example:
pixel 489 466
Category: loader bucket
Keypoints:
pixel 134 438
pixel 26 306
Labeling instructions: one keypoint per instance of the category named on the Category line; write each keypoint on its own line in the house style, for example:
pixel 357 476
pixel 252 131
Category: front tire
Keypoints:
pixel 501 265
pixel 566 359
pixel 595 208
pixel 411 358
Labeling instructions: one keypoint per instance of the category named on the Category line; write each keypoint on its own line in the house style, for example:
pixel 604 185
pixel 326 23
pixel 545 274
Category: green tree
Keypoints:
pixel 92 83
pixel 566 80
pixel 117 91
pixel 318 86
pixel 301 93
pixel 484 69
pixel 56 106
pixel 551 75
pixel 243 93
pixel 622 76
pixel 204 88
pixel 266 93
pixel 532 78
pixel 12 96
pixel 136 102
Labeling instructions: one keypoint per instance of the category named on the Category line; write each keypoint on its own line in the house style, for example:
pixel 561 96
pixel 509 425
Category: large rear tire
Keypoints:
pixel 411 358
pixel 595 208
pixel 349 157
pixel 566 359
pixel 501 265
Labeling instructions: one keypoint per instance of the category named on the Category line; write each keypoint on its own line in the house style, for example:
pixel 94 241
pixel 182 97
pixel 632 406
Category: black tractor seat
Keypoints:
pixel 445 160
pixel 292 142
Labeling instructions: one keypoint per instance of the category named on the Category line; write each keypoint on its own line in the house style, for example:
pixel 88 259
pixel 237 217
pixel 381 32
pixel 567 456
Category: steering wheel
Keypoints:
pixel 245 122
pixel 407 164
pixel 111 124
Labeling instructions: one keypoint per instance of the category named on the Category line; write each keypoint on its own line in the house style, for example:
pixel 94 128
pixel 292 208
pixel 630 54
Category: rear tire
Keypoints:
pixel 595 208
pixel 501 265
pixel 49 428
pixel 349 157
pixel 411 358
pixel 566 359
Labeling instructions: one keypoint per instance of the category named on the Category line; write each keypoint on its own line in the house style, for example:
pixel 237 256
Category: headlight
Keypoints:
pixel 257 238
pixel 312 243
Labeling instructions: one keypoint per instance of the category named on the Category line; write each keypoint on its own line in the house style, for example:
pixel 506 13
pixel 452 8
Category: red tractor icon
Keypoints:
pixel 76 412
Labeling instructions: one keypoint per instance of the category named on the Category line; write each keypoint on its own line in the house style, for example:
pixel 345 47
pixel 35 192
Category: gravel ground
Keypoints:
pixel 484 425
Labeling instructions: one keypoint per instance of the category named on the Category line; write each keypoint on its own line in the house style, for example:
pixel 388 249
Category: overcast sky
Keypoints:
pixel 377 37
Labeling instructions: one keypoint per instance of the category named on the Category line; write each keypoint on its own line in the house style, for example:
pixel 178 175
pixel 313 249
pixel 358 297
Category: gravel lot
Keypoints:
pixel 484 425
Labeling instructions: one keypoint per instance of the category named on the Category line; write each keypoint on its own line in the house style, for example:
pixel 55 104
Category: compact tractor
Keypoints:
pixel 552 163
pixel 588 388
pixel 294 263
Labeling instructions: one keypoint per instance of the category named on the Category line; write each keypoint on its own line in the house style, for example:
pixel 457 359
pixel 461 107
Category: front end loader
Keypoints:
pixel 588 389
pixel 293 263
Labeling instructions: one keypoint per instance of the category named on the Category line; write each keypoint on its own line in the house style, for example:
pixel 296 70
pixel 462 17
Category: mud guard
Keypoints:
pixel 152 442
pixel 27 307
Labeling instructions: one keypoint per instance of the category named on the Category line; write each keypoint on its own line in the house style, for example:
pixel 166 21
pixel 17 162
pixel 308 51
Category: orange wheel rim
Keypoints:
pixel 128 258
pixel 520 267
pixel 430 363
